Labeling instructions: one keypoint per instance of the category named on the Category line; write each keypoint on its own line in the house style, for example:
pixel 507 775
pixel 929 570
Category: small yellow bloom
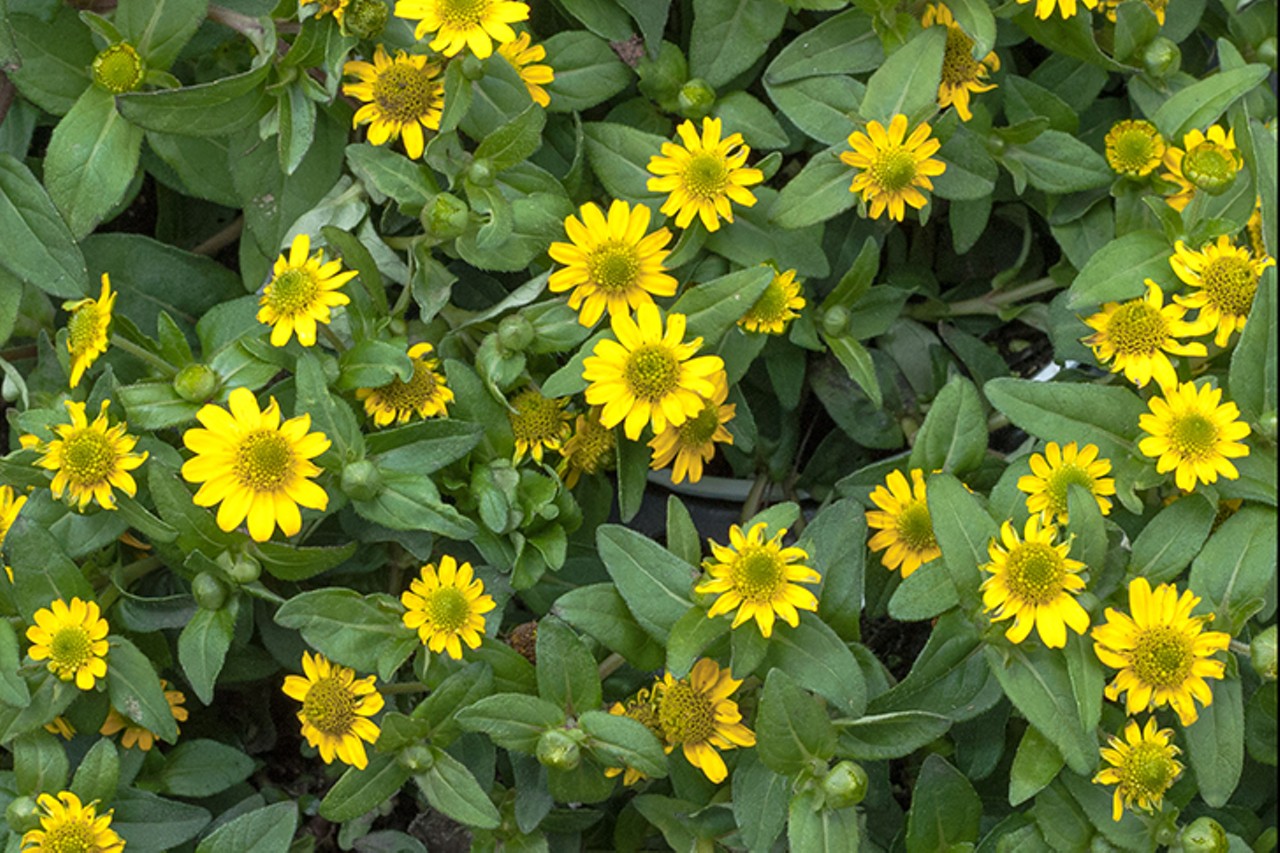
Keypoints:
pixel 73 639
pixel 10 505
pixel 905 529
pixel 780 303
pixel 301 292
pixel 1136 335
pixel 1142 767
pixel 539 423
pixel 1208 160
pixel 758 578
pixel 68 826
pixel 892 165
pixel 643 708
pixel 1227 277
pixel 961 73
pixel 254 465
pixel 1134 147
pixel 524 58
pixel 589 450
pixel 1190 433
pixel 704 175
pixel 693 443
pixel 425 394
pixel 1053 474
pixel 61 727
pixel 1066 8
pixel 401 97
pixel 136 735
pixel 87 329
pixel 89 459
pixel 1158 7
pixel 1034 583
pixel 1162 652
pixel 697 715
pixel 336 707
pixel 1254 229
pixel 473 24
pixel 447 608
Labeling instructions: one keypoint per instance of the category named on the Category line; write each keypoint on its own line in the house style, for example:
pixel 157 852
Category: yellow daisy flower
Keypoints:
pixel 301 292
pixel 1188 432
pixel 539 423
pixel 425 395
pixel 905 529
pixel 474 24
pixel 643 708
pixel 611 263
pixel 69 825
pixel 1134 148
pixel 780 303
pixel 447 608
pixel 1034 583
pixel 1254 229
pixel 87 329
pixel 136 735
pixel 1162 652
pixel 589 450
pixel 89 459
pixel 758 577
pixel 254 465
pixel 1208 161
pixel 1227 277
pixel 336 707
pixel 73 639
pixel 1066 8
pixel 694 442
pixel 961 73
pixel 1136 335
pixel 401 96
pixel 1142 767
pixel 10 505
pixel 703 175
pixel 697 715
pixel 524 58
pixel 61 727
pixel 1053 474
pixel 649 375
pixel 891 165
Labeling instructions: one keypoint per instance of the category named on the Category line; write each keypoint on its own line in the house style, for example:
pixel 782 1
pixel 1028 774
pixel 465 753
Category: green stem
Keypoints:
pixel 1240 648
pixel 610 665
pixel 990 303
pixel 143 355
pixel 332 337
pixel 128 574
pixel 752 504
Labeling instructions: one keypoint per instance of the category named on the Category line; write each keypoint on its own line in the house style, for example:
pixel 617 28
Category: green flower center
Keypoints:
pixel 411 395
pixel 759 574
pixel 705 176
pixel 405 94
pixel 292 292
pixel 1137 328
pixel 264 461
pixel 699 430
pixel 895 170
pixel 652 372
pixel 686 715
pixel 118 69
pixel 1058 486
pixel 915 527
pixel 366 18
pixel 449 609
pixel 70 648
pixel 1210 166
pixel 1162 657
pixel 1230 283
pixel 958 65
pixel 330 706
pixel 1034 572
pixel 613 267
pixel 71 836
pixel 771 307
pixel 1147 771
pixel 82 328
pixel 1194 436
pixel 537 418
pixel 462 13
pixel 88 456
pixel 1133 150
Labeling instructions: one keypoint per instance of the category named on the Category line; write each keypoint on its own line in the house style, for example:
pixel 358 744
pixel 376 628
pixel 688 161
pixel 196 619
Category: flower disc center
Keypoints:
pixel 652 372
pixel 685 714
pixel 958 65
pixel 895 170
pixel 264 460
pixel 1194 435
pixel 88 456
pixel 292 291
pixel 1162 657
pixel 705 176
pixel 1148 770
pixel 614 267
pixel 699 430
pixel 1035 572
pixel 1230 282
pixel 404 92
pixel 758 574
pixel 448 609
pixel 1137 328
pixel 1209 166
pixel 118 69
pixel 1059 484
pixel 82 327
pixel 462 13
pixel 915 526
pixel 330 706
pixel 71 647
pixel 71 836
pixel 412 394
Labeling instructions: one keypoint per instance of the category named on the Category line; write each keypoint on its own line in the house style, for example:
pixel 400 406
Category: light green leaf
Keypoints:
pixel 655 583
pixel 39 248
pixel 135 689
pixel 877 737
pixel 730 35
pixel 1215 743
pixel 1199 105
pixel 907 82
pixel 1117 271
pixel 265 830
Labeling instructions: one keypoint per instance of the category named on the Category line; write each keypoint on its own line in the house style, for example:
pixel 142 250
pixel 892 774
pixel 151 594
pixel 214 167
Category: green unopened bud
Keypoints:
pixel 1267 425
pixel 209 592
pixel 661 78
pixel 1267 52
pixel 118 69
pixel 241 568
pixel 1211 167
pixel 515 333
pixel 481 172
pixel 558 750
pixel 196 383
pixel 23 815
pixel 361 480
pixel 1204 835
pixel 845 785
pixel 365 19
pixel 446 216
pixel 1161 58
pixel 696 98
pixel 1262 654
pixel 835 321
pixel 416 758
pixel 472 68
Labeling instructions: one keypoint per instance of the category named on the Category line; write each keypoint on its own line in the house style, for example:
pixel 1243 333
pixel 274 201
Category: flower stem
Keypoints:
pixel 989 303
pixel 128 574
pixel 143 355
pixel 1240 648
pixel 332 337
pixel 610 665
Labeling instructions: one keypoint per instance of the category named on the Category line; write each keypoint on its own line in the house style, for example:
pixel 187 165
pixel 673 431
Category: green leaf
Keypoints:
pixel 135 689
pixel 1236 567
pixel 730 35
pixel 600 611
pixel 1038 683
pixel 632 465
pixel 714 307
pixel 857 362
pixel 620 741
pixel 373 363
pixel 359 791
pixel 266 830
pixel 922 595
pixel 98 776
pixel 202 649
pixel 1215 743
pixel 1199 105
pixel 822 107
pixel 618 155
pixel 202 768
pixel 907 82
pixel 834 541
pixel 819 192
pixel 950 675
pixel 151 824
pixel 1171 539
pixel 297 116
pixel 975 18
pixel 812 828
pixel 40 763
pixel 856 283
pixel 692 634
pixel 208 109
pixel 843 44
pixel 818 660
pixel 54 50
pixel 329 415
pixel 566 668
pixel 46 571
pixel 512 720
pixel 13 690
pixel 953 437
pixel 971 174
pixel 1057 162
pixel 587 70
pixel 792 729
pixel 1035 764
pixel 387 174
pixel 160 28
pixel 876 737
pixel 758 126
pixel 945 810
pixel 451 789
pixel 759 802
pixel 1071 37
pixel 602 17
pixel 350 628
pixel 298 563
pixel 963 529
pixel 1117 271
pixel 654 582
pixel 514 141
pixel 39 248
pixel 1252 380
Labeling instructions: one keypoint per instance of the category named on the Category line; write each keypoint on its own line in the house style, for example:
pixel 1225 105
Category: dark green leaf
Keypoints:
pixel 359 792
pixel 201 768
pixel 265 830
pixel 730 35
pixel 135 689
pixel 1215 743
pixel 39 248
pixel 654 582
pixel 792 729
pixel 945 810
pixel 880 736
pixel 453 790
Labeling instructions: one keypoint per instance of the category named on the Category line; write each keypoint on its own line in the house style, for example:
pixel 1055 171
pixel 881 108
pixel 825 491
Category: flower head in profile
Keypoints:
pixel 780 303
pixel 759 578
pixel 447 607
pixel 1138 336
pixel 1226 278
pixel 11 504
pixel 538 423
pixel 892 166
pixel 697 715
pixel 1254 229
pixel 139 736
pixel 961 73
pixel 87 329
pixel 1142 766
pixel 73 639
pixel 525 58
pixel 1034 583
pixel 69 826
pixel 1191 433
pixel 301 292
pixel 693 443
pixel 336 707
pixel 425 394
pixel 401 95
pixel 1207 160
pixel 903 524
pixel 1134 148
pixel 612 263
pixel 473 24
pixel 1162 652
pixel 704 175
pixel 642 707
pixel 1157 7
pixel 255 466
pixel 89 459
pixel 1056 471
pixel 1065 8
pixel 649 374
pixel 61 727
pixel 590 450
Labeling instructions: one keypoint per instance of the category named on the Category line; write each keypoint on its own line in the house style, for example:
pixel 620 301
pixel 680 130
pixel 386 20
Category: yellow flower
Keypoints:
pixel 648 375
pixel 903 521
pixel 336 707
pixel 524 58
pixel 10 505
pixel 67 826
pixel 1135 336
pixel 697 715
pixel 611 263
pixel 424 395
pixel 777 306
pixel 891 165
pixel 1142 767
pixel 73 639
pixel 961 73
pixel 694 442
pixel 1158 7
pixel 703 175
pixel 589 450
pixel 758 577
pixel 1034 583
pixel 136 735
pixel 401 96
pixel 643 708
pixel 1134 147
pixel 1188 432
pixel 1254 229
pixel 539 423
pixel 89 459
pixel 1212 164
pixel 1227 277
pixel 1067 8
pixel 1053 474
pixel 447 608
pixel 300 293
pixel 87 329
pixel 255 466
pixel 60 726
pixel 335 7
pixel 463 23
pixel 1163 652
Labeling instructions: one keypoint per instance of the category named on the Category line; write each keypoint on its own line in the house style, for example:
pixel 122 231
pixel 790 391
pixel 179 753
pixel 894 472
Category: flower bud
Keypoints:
pixel 696 98
pixel 1204 835
pixel 416 758
pixel 558 750
pixel 241 568
pixel 118 69
pixel 361 480
pixel 845 785
pixel 209 592
pixel 1267 425
pixel 481 172
pixel 835 322
pixel 22 815
pixel 1211 167
pixel 1262 653
pixel 446 216
pixel 196 383
pixel 661 78
pixel 1161 58
pixel 515 333
pixel 1266 53
pixel 365 19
